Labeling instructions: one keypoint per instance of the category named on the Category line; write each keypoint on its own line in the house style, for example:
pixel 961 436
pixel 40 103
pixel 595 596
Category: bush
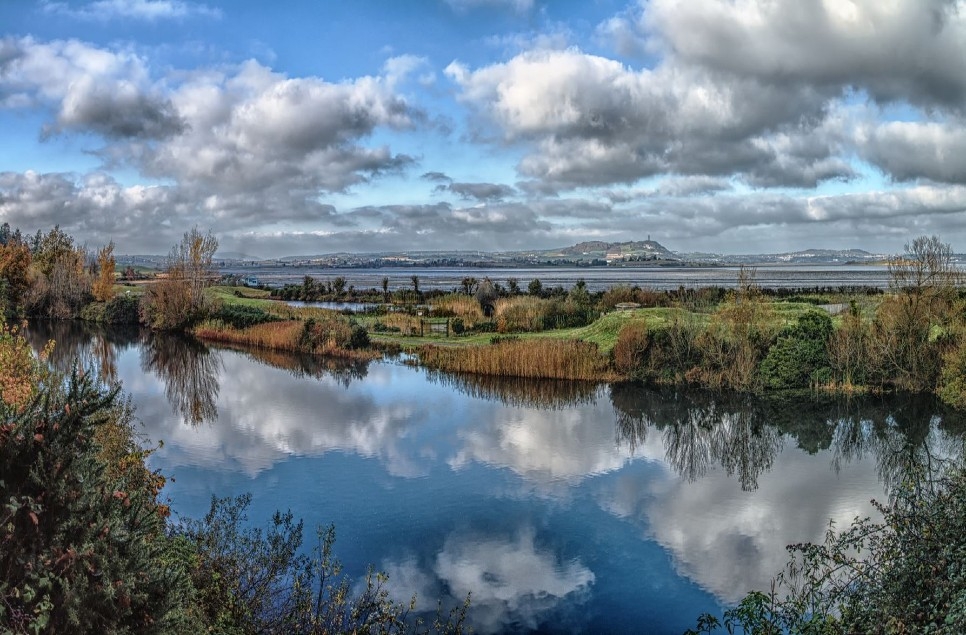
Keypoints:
pixel 240 316
pixel 630 350
pixel 82 551
pixel 908 577
pixel 121 309
pixel 458 327
pixel 359 337
pixel 800 352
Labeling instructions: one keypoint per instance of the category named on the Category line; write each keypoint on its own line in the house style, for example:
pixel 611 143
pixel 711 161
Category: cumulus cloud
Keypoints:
pixel 149 10
pixel 592 121
pixel 109 93
pixel 906 50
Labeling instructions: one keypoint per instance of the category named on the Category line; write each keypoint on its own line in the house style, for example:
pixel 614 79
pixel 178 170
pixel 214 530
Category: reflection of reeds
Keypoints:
pixel 519 392
pixel 542 358
pixel 304 365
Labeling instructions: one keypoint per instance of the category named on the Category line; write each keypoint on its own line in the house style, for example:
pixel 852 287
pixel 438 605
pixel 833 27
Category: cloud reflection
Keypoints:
pixel 514 582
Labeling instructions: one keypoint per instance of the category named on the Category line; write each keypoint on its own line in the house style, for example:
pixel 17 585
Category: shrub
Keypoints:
pixel 121 309
pixel 458 327
pixel 241 316
pixel 83 551
pixel 359 338
pixel 800 352
pixel 631 349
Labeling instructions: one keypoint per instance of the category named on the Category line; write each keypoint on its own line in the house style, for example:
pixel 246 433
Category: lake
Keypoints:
pixel 597 278
pixel 562 507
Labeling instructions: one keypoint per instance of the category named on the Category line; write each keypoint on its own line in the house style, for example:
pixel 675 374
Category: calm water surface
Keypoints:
pixel 561 507
pixel 597 278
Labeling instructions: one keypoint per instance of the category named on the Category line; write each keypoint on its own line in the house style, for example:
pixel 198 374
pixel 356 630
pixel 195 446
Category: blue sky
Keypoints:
pixel 304 127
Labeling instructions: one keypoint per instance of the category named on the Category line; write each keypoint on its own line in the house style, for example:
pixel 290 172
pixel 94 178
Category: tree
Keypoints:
pixel 385 289
pixel 338 286
pixel 535 288
pixel 923 285
pixel 15 262
pixel 415 281
pixel 178 300
pixel 469 285
pixel 60 284
pixel 104 283
pixel 513 286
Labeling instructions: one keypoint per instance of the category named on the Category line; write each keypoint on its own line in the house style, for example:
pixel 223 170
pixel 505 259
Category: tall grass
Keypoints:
pixel 327 336
pixel 521 313
pixel 462 306
pixel 543 358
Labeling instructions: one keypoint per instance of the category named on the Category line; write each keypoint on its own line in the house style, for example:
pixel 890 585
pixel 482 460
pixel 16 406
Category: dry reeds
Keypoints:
pixel 407 324
pixel 462 306
pixel 276 336
pixel 521 313
pixel 540 358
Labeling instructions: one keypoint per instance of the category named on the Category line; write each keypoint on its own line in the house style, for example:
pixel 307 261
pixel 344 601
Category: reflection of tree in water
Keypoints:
pixel 914 439
pixel 519 392
pixel 700 430
pixel 345 371
pixel 908 435
pixel 189 370
pixel 90 346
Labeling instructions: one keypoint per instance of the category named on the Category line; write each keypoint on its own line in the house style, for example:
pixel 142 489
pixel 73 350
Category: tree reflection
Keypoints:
pixel 519 392
pixel 911 437
pixel 189 370
pixel 90 346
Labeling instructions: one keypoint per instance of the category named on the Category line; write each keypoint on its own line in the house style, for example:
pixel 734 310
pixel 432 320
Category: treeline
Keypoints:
pixel 50 276
pixel 914 340
pixel 88 546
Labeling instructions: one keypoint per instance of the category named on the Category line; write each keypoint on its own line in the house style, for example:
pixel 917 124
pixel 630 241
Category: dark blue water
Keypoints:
pixel 560 507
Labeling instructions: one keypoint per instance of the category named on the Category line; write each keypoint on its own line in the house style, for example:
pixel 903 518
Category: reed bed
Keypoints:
pixel 464 307
pixel 522 313
pixel 407 324
pixel 329 336
pixel 536 358
pixel 276 336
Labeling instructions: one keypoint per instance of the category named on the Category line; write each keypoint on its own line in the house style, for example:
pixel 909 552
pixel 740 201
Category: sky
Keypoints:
pixel 318 126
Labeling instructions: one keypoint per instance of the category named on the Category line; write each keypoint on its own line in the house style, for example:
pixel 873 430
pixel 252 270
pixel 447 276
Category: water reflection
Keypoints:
pixel 553 505
pixel 741 434
pixel 345 371
pixel 551 394
pixel 516 583
pixel 88 345
pixel 190 372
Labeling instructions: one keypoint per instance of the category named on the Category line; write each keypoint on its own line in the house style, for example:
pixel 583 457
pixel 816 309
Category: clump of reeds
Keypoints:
pixel 464 307
pixel 328 335
pixel 521 313
pixel 407 324
pixel 278 336
pixel 535 358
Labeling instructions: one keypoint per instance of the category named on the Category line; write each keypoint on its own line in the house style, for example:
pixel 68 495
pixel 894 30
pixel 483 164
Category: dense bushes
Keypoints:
pixel 242 316
pixel 800 356
pixel 904 574
pixel 83 550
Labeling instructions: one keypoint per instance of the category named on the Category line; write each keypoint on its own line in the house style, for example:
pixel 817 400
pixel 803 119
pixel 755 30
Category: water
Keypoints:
pixel 562 507
pixel 597 278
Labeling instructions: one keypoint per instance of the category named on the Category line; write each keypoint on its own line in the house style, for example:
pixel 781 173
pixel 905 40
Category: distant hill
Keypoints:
pixel 639 249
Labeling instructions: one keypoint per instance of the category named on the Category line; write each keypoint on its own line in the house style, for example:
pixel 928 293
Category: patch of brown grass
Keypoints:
pixel 540 358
